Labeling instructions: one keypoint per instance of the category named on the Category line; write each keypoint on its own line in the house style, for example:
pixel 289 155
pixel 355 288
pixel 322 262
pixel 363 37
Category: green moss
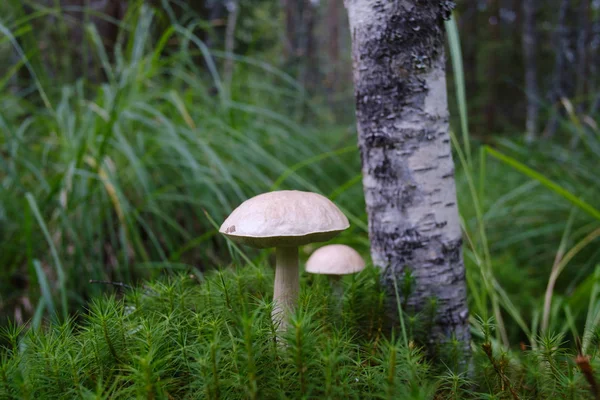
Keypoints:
pixel 214 339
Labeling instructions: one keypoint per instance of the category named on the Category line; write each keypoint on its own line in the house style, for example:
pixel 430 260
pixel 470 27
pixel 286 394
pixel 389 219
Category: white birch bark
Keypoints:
pixel 408 172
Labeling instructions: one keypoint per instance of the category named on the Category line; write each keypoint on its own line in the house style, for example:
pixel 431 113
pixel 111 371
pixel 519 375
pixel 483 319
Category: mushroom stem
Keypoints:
pixel 286 286
pixel 337 288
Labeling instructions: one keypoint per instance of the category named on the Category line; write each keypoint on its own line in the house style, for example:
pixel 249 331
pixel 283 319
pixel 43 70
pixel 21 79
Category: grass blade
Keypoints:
pixel 57 263
pixel 556 188
pixel 44 287
pixel 459 83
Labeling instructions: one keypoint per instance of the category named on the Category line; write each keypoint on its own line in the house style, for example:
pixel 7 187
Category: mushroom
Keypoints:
pixel 285 220
pixel 335 260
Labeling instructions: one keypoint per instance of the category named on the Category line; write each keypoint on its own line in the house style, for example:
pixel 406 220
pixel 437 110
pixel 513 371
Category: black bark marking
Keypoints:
pixel 425 169
pixel 385 170
pixel 448 175
pixel 452 251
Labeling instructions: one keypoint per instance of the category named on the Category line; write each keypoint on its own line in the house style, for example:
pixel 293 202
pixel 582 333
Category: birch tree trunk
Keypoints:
pixel 408 172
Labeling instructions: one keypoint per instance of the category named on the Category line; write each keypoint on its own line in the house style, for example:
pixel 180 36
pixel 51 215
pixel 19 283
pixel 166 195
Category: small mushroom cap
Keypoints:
pixel 286 218
pixel 335 259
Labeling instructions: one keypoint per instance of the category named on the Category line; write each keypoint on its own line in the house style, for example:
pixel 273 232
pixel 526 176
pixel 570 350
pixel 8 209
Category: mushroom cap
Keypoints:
pixel 335 259
pixel 286 218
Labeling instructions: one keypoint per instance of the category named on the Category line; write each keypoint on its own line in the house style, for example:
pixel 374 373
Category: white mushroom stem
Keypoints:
pixel 336 285
pixel 337 288
pixel 287 285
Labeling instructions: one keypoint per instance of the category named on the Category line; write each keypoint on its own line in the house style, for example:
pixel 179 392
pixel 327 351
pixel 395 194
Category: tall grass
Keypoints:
pixel 519 215
pixel 119 180
pixel 111 181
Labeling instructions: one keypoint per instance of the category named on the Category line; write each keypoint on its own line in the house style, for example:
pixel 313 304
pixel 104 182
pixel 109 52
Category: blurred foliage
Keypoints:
pixel 110 174
pixel 121 173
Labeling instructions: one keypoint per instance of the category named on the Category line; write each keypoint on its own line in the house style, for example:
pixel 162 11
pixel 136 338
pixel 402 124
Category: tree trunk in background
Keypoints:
pixel 581 69
pixel 582 53
pixel 290 21
pixel 310 72
pixel 517 7
pixel 408 172
pixel 529 57
pixel 470 26
pixel 233 11
pixel 595 63
pixel 299 44
pixel 103 14
pixel 333 44
pixel 561 43
pixel 492 63
pixel 65 36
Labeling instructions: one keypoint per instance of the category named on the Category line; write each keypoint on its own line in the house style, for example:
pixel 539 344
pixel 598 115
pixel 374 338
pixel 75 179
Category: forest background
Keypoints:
pixel 127 127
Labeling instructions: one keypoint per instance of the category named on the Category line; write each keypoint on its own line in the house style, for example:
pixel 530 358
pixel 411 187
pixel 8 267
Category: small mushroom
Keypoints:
pixel 335 260
pixel 285 220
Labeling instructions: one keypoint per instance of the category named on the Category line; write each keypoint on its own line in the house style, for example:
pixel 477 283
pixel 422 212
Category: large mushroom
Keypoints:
pixel 285 220
pixel 335 260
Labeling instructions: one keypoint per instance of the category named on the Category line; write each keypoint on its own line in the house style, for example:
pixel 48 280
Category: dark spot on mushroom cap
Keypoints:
pixel 231 229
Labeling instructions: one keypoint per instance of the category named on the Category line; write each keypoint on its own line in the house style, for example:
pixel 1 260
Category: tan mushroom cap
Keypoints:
pixel 335 259
pixel 285 218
